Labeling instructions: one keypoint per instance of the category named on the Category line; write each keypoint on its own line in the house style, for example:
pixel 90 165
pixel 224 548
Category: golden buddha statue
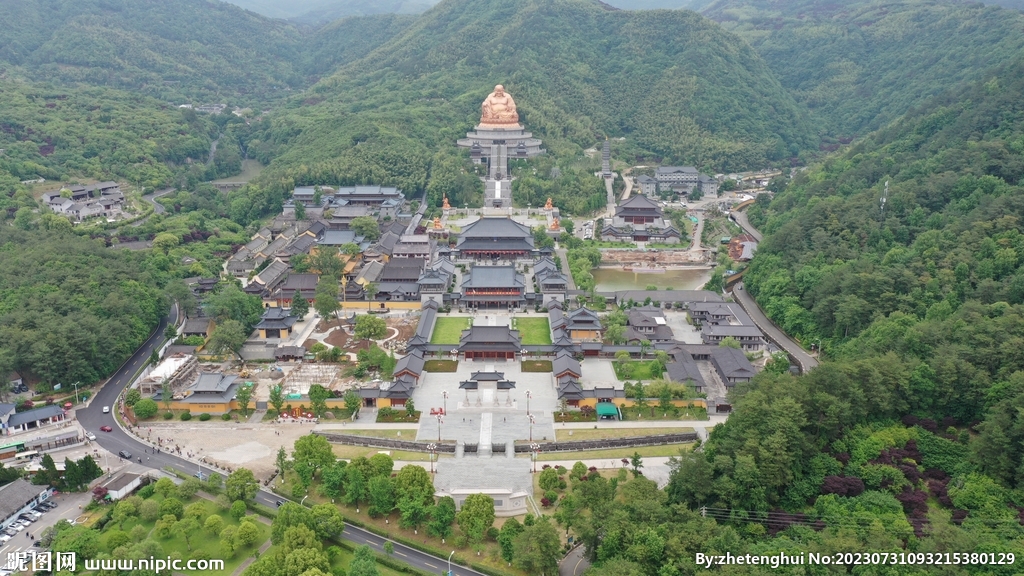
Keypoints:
pixel 499 109
pixel 437 223
pixel 446 205
pixel 548 206
pixel 554 224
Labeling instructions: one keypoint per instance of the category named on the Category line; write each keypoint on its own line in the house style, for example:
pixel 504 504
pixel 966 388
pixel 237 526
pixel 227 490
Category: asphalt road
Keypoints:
pixel 92 417
pixel 805 360
pixel 740 217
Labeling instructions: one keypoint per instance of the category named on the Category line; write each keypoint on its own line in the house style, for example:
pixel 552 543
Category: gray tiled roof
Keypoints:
pixel 566 363
pixel 34 415
pixel 493 277
pixel 16 495
pixel 732 363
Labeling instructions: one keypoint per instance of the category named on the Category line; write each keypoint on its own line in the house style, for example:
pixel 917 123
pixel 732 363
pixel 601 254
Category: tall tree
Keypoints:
pixel 538 549
pixel 300 306
pixel 326 301
pixel 276 398
pixel 442 515
pixel 476 516
pixel 228 336
pixel 241 485
pixel 243 395
pixel 318 396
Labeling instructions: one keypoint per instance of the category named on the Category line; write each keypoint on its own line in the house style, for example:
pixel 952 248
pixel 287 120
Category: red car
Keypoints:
pixel 105 428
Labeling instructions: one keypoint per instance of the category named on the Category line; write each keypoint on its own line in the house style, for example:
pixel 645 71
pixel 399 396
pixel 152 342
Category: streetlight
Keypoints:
pixel 432 447
pixel 76 391
pixel 439 422
pixel 533 452
pixel 445 394
pixel 532 422
pixel 528 396
pixel 450 562
pixel 303 499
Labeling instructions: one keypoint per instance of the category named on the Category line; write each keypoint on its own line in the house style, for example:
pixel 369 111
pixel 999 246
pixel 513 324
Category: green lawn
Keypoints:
pixel 616 453
pixel 533 330
pixel 200 541
pixel 637 370
pixel 449 330
pixel 441 366
pixel 536 366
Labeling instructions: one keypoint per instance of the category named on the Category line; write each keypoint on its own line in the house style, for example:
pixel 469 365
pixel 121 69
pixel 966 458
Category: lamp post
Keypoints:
pixel 533 452
pixel 76 391
pixel 532 422
pixel 439 422
pixel 445 394
pixel 432 447
pixel 528 396
pixel 450 562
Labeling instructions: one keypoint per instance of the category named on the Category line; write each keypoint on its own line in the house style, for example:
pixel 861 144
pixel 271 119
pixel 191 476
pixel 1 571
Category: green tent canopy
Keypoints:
pixel 607 409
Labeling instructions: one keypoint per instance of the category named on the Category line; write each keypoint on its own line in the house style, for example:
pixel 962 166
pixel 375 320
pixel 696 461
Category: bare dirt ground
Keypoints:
pixel 661 258
pixel 253 446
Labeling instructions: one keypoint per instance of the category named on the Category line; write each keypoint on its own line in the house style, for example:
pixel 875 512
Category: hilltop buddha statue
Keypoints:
pixel 499 109
pixel 446 205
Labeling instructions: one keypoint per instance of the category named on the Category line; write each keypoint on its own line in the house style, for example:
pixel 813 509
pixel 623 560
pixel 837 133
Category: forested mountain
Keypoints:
pixel 673 83
pixel 908 437
pixel 322 11
pixel 70 309
pixel 350 39
pixel 859 65
pixel 63 133
pixel 929 290
pixel 180 50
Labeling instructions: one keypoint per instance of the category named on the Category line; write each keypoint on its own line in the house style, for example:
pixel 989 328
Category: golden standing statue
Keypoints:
pixel 446 205
pixel 499 109
pixel 555 224
pixel 437 223
pixel 548 206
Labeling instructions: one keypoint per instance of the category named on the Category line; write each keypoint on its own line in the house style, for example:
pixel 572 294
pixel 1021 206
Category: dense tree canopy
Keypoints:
pixel 70 309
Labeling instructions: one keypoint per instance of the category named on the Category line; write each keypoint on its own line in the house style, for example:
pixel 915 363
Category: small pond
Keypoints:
pixel 613 279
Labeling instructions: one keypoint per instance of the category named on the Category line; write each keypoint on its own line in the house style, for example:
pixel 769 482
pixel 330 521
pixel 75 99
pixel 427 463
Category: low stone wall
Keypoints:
pixel 371 442
pixel 630 442
pixel 572 446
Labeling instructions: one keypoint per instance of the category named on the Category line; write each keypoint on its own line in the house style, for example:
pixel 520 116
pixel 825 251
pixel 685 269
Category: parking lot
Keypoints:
pixel 67 507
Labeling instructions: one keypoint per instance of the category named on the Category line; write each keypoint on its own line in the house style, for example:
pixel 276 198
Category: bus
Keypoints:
pixel 10 450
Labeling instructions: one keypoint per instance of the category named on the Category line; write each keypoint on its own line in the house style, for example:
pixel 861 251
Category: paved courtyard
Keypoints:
pixel 598 373
pixel 469 422
pixel 682 330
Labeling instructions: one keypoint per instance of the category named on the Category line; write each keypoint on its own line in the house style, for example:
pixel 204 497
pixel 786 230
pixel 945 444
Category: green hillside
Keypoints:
pixel 673 83
pixel 60 133
pixel 938 276
pixel 321 11
pixel 859 65
pixel 350 39
pixel 177 51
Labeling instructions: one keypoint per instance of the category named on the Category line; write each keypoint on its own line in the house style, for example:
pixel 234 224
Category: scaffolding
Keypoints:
pixel 302 377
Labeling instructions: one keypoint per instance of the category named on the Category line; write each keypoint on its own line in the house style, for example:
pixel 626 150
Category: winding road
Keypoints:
pixel 92 417
pixel 774 333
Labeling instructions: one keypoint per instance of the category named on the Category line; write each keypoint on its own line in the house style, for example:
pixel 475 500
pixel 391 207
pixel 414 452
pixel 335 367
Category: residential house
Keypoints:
pixel 647 323
pixel 732 366
pixel 648 186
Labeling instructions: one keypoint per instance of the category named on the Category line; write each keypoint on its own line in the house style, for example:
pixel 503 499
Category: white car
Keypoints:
pixel 106 409
pixel 17 526
pixel 90 436
pixel 4 538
